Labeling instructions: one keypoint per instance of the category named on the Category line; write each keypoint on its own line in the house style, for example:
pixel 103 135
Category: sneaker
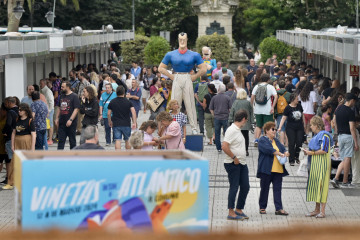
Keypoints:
pixel 335 183
pixel 219 151
pixel 247 153
pixel 347 185
pixel 7 187
pixel 50 142
pixel 4 182
pixel 256 142
pixel 194 132
pixel 108 144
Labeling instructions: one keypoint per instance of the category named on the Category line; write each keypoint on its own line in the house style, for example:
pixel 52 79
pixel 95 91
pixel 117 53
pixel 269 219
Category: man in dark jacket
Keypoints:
pixel 11 116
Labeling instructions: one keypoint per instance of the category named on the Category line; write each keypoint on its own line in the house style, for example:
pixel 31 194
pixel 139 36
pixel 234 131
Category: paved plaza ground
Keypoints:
pixel 343 206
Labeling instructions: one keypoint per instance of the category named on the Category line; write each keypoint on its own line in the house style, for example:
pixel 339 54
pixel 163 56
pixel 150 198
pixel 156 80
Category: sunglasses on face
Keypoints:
pixel 274 129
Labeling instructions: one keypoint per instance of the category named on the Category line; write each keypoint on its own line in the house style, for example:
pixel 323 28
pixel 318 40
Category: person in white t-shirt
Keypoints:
pixel 263 112
pixel 308 100
pixel 235 166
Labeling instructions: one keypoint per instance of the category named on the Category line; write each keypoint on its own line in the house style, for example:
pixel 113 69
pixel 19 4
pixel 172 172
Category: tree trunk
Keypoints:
pixel 13 22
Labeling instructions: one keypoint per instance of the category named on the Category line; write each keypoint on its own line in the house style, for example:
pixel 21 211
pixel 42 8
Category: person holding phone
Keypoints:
pixel 320 167
pixel 269 168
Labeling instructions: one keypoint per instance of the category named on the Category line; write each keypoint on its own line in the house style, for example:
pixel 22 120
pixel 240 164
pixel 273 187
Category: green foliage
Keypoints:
pixel 316 14
pixel 263 18
pixel 219 44
pixel 162 15
pixel 270 45
pixel 134 50
pixel 155 50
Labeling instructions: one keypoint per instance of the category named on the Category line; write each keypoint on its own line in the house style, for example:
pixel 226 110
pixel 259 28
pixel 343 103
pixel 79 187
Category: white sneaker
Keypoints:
pixel 194 132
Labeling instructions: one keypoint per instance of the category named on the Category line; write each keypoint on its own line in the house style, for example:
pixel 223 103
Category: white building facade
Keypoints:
pixel 26 59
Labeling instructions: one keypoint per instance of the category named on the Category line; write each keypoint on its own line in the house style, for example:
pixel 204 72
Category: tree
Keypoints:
pixel 271 45
pixel 317 14
pixel 13 23
pixel 133 50
pixel 239 22
pixel 155 50
pixel 162 15
pixel 219 44
pixel 263 18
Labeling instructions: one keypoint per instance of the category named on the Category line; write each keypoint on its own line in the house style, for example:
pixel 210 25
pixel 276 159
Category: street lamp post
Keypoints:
pixel 133 16
pixel 18 10
pixel 357 16
pixel 36 6
pixel 50 17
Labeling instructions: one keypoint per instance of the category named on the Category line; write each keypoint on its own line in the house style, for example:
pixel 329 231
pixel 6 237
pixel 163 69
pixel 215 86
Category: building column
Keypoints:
pixel 48 67
pixel 56 67
pixel 15 77
pixel 97 58
pixel 63 62
pixel 349 80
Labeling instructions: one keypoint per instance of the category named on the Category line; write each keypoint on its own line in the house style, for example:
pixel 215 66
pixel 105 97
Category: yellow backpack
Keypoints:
pixel 281 103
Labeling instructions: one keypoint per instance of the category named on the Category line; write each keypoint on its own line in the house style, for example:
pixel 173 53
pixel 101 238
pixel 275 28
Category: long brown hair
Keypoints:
pixel 239 79
pixel 91 92
pixel 258 74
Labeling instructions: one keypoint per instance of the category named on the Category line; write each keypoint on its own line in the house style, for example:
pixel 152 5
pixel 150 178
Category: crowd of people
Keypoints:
pixel 286 105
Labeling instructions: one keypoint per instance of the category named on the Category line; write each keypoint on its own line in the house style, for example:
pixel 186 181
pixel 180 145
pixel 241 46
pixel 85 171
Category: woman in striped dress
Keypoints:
pixel 320 167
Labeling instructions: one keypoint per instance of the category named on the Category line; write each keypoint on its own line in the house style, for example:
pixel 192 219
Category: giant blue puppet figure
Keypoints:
pixel 183 61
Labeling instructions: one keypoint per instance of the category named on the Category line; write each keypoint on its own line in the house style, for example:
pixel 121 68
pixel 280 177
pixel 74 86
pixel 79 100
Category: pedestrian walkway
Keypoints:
pixel 343 206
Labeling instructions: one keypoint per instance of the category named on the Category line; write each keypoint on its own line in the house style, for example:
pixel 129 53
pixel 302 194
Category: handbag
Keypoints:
pixel 282 160
pixel 155 101
pixel 303 169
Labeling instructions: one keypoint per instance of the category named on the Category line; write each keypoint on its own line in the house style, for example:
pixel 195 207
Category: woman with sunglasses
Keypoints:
pixel 269 168
pixel 24 135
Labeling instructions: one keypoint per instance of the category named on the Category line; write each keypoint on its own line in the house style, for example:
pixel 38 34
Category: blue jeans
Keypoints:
pixel 265 180
pixel 201 118
pixel 218 124
pixel 107 131
pixel 40 135
pixel 278 120
pixel 46 146
pixel 238 176
pixel 121 131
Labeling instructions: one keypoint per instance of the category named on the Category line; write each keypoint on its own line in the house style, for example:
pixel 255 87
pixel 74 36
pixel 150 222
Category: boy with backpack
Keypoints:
pixel 282 102
pixel 264 106
pixel 201 89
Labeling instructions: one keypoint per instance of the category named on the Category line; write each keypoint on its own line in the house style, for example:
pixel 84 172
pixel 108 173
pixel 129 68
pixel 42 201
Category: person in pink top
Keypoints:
pixel 148 128
pixel 326 117
pixel 217 69
pixel 172 134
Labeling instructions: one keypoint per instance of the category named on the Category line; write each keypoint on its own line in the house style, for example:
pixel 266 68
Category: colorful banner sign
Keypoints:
pixel 125 195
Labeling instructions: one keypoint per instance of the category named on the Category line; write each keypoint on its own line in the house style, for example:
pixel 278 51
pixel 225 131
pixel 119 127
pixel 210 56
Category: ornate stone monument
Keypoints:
pixel 215 16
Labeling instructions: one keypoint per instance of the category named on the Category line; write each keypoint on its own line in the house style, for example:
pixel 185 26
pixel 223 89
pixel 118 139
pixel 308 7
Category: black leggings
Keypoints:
pixel 245 133
pixel 295 139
